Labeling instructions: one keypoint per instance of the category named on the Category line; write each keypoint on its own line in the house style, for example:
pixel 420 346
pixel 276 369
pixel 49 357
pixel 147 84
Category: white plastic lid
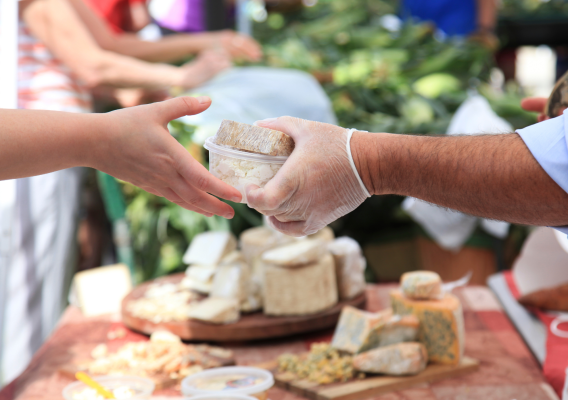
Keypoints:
pixel 228 381
pixel 223 396
pixel 243 155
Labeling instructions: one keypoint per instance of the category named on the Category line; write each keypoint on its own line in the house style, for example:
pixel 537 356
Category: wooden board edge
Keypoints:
pixel 345 392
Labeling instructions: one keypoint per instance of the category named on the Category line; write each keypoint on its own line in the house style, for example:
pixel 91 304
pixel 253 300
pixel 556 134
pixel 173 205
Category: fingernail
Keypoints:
pixel 203 99
pixel 228 215
pixel 265 121
pixel 236 199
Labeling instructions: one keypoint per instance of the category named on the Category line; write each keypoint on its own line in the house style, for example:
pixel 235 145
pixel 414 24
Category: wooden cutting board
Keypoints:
pixel 253 326
pixel 373 385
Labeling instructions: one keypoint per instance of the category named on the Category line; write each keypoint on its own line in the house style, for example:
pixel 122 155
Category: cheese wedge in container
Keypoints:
pixel 441 330
pixel 304 290
pixel 209 248
pixel 397 359
pixel 349 266
pixel 217 310
pixel 359 331
pixel 421 285
pixel 254 139
pixel 295 254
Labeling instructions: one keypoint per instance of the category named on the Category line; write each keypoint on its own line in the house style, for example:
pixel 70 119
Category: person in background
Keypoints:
pixel 476 18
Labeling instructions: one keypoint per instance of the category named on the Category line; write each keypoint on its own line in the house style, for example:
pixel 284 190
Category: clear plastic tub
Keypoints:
pixel 142 388
pixel 241 168
pixel 226 381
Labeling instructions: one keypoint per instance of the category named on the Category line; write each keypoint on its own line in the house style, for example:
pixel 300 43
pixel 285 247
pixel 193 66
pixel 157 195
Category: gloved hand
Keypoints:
pixel 318 183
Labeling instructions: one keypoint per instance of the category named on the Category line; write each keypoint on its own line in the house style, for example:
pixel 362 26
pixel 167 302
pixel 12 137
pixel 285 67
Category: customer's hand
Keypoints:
pixel 315 186
pixel 535 104
pixel 239 46
pixel 136 146
pixel 205 67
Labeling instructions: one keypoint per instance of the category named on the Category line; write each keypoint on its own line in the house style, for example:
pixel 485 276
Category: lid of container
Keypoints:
pixel 228 380
pixel 223 396
pixel 243 155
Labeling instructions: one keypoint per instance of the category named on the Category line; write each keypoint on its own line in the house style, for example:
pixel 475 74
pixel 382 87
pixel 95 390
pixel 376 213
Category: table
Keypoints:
pixel 507 368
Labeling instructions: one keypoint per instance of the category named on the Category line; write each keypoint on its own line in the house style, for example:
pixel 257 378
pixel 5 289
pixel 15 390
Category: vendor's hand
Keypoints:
pixel 137 147
pixel 315 186
pixel 535 104
pixel 205 67
pixel 236 44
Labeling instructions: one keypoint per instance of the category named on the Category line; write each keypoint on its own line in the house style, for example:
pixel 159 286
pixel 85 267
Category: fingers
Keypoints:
pixel 289 125
pixel 296 228
pixel 265 200
pixel 174 198
pixel 196 174
pixel 535 104
pixel 175 108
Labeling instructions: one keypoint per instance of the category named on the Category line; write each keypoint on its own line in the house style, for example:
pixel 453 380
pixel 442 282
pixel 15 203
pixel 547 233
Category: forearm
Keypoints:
pixel 168 49
pixel 486 14
pixel 492 176
pixel 39 142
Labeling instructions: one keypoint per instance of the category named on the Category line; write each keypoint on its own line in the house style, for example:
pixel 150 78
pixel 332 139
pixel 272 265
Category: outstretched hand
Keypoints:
pixel 535 104
pixel 137 147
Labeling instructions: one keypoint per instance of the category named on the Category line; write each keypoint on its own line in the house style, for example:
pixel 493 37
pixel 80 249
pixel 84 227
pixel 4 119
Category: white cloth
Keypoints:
pixel 449 228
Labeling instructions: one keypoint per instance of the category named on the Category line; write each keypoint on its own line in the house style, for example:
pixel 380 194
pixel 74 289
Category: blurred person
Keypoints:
pixel 518 177
pixel 64 51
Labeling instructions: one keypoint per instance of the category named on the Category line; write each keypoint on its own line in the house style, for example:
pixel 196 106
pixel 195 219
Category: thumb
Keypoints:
pixel 288 125
pixel 180 106
pixel 264 200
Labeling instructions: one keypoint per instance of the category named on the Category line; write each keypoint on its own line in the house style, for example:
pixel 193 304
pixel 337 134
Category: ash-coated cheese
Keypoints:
pixel 254 139
pixel 441 325
pixel 217 310
pixel 421 285
pixel 359 331
pixel 304 290
pixel 349 266
pixel 397 359
pixel 209 248
pixel 301 252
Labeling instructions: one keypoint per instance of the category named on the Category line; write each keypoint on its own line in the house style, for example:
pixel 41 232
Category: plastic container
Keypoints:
pixel 241 168
pixel 142 387
pixel 222 396
pixel 226 381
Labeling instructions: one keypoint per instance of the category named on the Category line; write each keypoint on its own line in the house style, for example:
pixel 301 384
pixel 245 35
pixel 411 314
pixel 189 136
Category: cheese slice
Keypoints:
pixel 295 254
pixel 217 310
pixel 209 248
pixel 255 241
pixel 349 267
pixel 441 325
pixel 199 278
pixel 299 291
pixel 421 285
pixel 358 331
pixel 254 139
pixel 397 359
pixel 326 234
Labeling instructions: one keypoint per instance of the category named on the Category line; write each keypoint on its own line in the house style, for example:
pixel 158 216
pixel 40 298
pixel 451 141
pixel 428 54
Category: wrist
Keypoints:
pixel 94 144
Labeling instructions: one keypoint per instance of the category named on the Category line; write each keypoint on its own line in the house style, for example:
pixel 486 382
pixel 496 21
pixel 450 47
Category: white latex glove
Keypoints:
pixel 318 183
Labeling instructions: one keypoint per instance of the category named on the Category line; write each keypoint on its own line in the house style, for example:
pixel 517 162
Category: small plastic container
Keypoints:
pixel 227 381
pixel 241 168
pixel 222 396
pixel 142 387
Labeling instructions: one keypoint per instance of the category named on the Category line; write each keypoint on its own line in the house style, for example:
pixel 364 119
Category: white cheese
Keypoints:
pixel 218 310
pixel 397 359
pixel 304 290
pixel 299 253
pixel 326 234
pixel 254 139
pixel 349 266
pixel 209 248
pixel 255 241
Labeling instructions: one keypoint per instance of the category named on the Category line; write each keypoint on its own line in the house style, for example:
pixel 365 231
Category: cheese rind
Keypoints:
pixel 299 291
pixel 295 254
pixel 441 325
pixel 397 359
pixel 358 331
pixel 217 310
pixel 254 139
pixel 209 248
pixel 349 266
pixel 421 285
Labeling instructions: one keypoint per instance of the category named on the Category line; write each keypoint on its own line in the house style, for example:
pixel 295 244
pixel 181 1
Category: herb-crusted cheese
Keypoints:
pixel 359 331
pixel 254 139
pixel 421 285
pixel 303 290
pixel 441 325
pixel 396 359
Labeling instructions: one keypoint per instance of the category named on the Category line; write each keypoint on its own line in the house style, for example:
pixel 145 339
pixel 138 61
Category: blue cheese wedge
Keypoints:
pixel 421 285
pixel 397 359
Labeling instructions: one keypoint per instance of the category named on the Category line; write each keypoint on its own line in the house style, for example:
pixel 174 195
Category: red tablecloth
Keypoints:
pixel 507 371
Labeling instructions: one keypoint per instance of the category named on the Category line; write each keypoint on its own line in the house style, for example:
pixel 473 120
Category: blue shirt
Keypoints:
pixel 453 17
pixel 548 143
